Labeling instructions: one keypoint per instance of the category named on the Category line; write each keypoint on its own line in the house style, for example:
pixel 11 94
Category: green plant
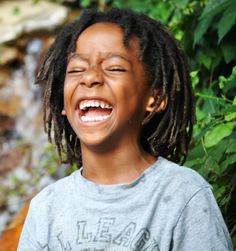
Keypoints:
pixel 213 150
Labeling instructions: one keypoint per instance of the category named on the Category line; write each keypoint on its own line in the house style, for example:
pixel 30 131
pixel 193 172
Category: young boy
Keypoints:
pixel 119 102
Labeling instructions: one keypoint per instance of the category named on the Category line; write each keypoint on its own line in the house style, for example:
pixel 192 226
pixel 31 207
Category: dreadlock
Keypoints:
pixel 168 133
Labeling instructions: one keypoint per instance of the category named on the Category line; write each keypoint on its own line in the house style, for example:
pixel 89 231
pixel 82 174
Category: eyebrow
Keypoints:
pixel 113 55
pixel 109 55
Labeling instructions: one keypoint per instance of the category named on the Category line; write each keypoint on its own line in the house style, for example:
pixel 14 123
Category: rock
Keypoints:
pixel 9 54
pixel 4 76
pixel 9 102
pixel 11 159
pixel 6 124
pixel 23 17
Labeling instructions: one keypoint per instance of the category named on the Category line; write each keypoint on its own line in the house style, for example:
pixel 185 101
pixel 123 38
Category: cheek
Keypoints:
pixel 68 104
pixel 69 88
pixel 66 87
pixel 132 93
pixel 66 95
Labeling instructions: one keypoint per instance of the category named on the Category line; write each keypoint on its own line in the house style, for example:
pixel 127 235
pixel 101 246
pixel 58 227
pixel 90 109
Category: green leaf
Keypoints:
pixel 218 151
pixel 211 165
pixel 227 21
pixel 194 162
pixel 161 11
pixel 200 114
pixel 218 132
pixel 181 4
pixel 228 161
pixel 194 78
pixel 228 108
pixel 197 153
pixel 229 83
pixel 85 3
pixel 234 101
pixel 214 7
pixel 228 50
pixel 231 148
pixel 222 82
pixel 230 116
pixel 220 191
pixel 201 29
pixel 205 59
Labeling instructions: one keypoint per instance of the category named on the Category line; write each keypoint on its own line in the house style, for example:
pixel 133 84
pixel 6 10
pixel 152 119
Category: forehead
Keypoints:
pixel 106 35
pixel 102 27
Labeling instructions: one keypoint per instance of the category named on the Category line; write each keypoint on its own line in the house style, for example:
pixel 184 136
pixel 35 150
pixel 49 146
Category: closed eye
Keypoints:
pixel 74 71
pixel 117 69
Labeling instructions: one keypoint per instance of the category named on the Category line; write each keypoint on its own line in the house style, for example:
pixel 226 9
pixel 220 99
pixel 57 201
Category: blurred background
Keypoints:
pixel 206 29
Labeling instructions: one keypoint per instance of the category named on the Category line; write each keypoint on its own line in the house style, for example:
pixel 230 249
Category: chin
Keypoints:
pixel 94 142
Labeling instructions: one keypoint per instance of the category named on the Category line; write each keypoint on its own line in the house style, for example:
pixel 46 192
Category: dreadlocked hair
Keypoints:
pixel 167 133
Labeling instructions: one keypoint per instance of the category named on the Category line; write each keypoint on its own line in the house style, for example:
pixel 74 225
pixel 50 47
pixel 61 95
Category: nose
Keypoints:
pixel 92 77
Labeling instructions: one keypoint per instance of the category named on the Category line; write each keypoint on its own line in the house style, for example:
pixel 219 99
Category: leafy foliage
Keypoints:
pixel 23 184
pixel 213 151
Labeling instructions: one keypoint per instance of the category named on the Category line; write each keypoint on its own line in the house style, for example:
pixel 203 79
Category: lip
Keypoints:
pixel 92 123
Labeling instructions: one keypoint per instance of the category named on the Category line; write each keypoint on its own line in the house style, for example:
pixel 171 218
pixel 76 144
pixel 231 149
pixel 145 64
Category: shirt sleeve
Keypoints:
pixel 28 235
pixel 200 226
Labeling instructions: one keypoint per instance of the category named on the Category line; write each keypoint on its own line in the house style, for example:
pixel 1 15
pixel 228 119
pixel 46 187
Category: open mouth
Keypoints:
pixel 94 110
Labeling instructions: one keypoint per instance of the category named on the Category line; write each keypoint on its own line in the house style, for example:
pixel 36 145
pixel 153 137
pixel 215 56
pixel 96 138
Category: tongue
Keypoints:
pixel 92 112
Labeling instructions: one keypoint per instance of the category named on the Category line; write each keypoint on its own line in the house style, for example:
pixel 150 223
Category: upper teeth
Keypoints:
pixel 93 103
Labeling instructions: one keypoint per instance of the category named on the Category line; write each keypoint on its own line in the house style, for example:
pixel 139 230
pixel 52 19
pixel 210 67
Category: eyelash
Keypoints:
pixel 113 69
pixel 117 69
pixel 74 71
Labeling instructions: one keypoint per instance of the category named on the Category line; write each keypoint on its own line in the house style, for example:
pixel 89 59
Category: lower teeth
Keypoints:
pixel 95 119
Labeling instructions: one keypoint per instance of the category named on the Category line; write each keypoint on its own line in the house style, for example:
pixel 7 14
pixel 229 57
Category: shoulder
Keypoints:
pixel 180 174
pixel 54 193
pixel 180 180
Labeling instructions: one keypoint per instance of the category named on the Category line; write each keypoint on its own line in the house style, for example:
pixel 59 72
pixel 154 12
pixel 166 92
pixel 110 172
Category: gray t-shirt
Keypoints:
pixel 167 208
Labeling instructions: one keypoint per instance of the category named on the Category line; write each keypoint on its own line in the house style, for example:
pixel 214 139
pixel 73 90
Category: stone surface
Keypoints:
pixel 9 54
pixel 4 76
pixel 9 102
pixel 23 17
pixel 6 124
pixel 9 161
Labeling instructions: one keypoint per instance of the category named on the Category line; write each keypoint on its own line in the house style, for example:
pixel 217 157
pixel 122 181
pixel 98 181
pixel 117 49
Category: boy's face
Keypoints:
pixel 106 92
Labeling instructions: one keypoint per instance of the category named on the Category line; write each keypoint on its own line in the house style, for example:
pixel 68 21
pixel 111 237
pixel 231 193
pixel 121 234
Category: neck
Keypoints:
pixel 120 165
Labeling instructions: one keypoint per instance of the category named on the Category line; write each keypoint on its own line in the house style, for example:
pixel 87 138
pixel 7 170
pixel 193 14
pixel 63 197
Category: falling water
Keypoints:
pixel 28 124
pixel 29 92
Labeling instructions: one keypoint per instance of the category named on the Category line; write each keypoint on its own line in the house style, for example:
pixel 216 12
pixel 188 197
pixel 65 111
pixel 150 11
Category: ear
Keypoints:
pixel 151 104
